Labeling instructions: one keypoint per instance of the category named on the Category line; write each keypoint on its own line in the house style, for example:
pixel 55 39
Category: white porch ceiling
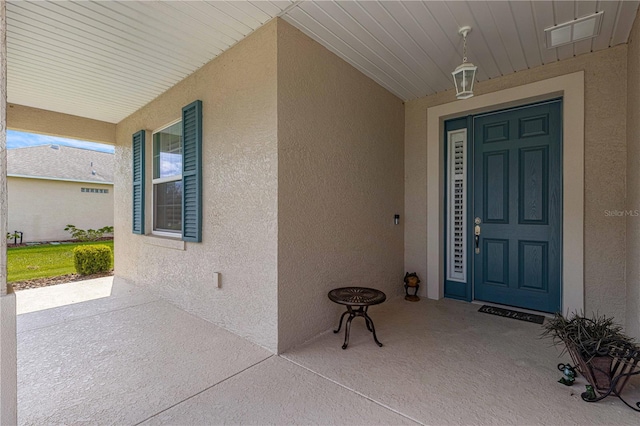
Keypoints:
pixel 105 59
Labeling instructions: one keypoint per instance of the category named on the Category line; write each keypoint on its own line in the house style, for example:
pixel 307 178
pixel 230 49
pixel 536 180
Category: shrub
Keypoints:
pixel 92 259
pixel 15 236
pixel 89 234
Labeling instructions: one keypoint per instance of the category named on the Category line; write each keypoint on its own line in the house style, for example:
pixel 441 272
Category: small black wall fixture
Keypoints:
pixel 396 219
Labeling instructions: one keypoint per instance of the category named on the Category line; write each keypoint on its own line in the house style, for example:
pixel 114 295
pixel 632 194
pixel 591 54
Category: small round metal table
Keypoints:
pixel 359 298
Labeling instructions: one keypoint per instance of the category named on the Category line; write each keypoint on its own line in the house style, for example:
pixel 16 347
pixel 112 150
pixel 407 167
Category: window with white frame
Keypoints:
pixel 176 177
pixel 167 180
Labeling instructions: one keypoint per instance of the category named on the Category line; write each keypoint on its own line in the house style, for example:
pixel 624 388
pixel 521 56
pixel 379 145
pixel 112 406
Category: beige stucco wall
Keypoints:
pixel 340 181
pixel 34 120
pixel 42 208
pixel 605 166
pixel 239 232
pixel 633 182
pixel 303 172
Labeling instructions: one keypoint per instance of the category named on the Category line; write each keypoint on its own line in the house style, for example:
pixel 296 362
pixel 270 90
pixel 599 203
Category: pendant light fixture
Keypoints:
pixel 465 73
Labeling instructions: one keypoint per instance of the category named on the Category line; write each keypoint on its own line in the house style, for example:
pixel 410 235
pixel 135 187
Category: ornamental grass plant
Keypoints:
pixel 595 336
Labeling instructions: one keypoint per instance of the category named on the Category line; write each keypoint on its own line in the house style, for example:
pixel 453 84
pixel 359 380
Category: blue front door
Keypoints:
pixel 517 207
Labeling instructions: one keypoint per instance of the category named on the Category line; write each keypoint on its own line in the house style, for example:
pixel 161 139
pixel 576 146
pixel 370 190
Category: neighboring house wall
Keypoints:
pixel 41 208
pixel 633 181
pixel 340 182
pixel 240 172
pixel 45 190
pixel 605 74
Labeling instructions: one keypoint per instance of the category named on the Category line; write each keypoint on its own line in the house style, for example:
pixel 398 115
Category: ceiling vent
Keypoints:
pixel 573 31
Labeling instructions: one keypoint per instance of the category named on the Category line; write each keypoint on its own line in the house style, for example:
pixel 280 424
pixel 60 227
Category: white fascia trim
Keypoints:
pixel 60 179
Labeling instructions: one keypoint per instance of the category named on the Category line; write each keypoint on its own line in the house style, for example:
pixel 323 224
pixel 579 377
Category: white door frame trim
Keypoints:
pixel 571 88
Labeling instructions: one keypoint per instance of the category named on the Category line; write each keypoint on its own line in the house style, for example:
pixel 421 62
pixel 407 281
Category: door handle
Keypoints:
pixel 476 232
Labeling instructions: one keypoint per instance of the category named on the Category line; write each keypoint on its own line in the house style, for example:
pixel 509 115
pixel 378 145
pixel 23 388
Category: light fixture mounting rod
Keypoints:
pixel 463 31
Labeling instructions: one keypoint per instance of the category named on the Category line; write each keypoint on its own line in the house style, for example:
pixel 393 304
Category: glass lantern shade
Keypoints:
pixel 463 77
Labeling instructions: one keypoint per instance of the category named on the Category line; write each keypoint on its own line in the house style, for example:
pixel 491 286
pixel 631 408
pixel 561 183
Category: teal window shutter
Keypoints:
pixel 138 182
pixel 192 172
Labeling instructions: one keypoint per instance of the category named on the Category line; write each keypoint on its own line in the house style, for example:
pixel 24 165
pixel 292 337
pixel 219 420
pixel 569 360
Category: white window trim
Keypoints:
pixel 161 233
pixel 169 234
pixel 164 126
pixel 166 179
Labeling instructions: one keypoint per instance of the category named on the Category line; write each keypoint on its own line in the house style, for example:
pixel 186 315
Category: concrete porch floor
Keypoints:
pixel 132 358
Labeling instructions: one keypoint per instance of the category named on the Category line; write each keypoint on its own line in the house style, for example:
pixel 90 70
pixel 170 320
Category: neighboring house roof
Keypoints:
pixel 59 162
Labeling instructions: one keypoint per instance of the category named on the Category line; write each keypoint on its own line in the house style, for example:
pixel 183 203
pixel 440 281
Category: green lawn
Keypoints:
pixel 43 261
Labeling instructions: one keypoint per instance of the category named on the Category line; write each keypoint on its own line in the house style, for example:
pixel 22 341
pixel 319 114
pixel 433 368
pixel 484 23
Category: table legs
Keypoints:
pixel 361 311
pixel 340 325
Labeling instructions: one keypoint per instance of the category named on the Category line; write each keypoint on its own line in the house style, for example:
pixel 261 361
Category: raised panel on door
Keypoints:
pixel 533 258
pixel 533 185
pixel 496 267
pixel 495 187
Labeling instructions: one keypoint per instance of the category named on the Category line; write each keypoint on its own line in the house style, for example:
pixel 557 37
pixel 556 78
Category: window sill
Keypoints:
pixel 165 242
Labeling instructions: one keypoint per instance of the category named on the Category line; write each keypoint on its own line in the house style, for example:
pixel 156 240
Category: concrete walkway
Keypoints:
pixel 38 299
pixel 131 358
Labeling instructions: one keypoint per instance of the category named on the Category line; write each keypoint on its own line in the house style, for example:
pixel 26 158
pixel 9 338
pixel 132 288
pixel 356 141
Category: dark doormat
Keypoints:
pixel 509 313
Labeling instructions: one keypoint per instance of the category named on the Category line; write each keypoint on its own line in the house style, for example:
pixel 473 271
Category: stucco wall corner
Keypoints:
pixel 633 183
pixel 340 182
